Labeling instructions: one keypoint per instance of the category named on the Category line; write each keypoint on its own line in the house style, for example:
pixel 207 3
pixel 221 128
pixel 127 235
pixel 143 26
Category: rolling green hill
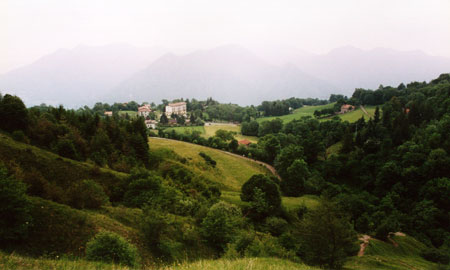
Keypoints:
pixel 351 117
pixel 385 256
pixel 230 172
pixel 210 130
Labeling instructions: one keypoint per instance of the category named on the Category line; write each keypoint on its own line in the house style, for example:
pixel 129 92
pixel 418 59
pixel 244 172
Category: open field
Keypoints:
pixel 208 131
pixel 130 113
pixel 356 114
pixel 309 111
pixel 298 113
pixel 231 171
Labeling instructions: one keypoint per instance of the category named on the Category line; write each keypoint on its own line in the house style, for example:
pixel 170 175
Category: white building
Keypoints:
pixel 176 108
pixel 144 110
pixel 151 124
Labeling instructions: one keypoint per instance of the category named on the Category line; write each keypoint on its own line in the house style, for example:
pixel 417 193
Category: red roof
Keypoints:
pixel 244 142
pixel 144 109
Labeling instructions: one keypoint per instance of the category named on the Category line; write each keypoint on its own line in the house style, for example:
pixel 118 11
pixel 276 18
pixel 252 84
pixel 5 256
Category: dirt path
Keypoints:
pixel 394 234
pixel 364 110
pixel 269 167
pixel 365 238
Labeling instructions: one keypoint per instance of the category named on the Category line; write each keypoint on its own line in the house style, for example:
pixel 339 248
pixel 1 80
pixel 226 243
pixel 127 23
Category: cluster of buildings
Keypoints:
pixel 178 108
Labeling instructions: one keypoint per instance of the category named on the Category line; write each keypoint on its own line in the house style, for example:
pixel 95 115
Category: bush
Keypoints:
pixel 264 196
pixel 87 194
pixel 111 248
pixel 142 191
pixel 15 217
pixel 208 159
pixel 221 223
pixel 276 226
pixel 19 136
pixel 435 255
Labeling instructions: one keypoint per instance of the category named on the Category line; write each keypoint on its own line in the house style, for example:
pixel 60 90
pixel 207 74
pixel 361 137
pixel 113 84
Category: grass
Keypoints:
pixel 16 262
pixel 132 114
pixel 384 255
pixel 230 172
pixel 334 149
pixel 209 131
pixel 289 203
pixel 242 264
pixel 298 113
pixel 355 115
pixel 309 111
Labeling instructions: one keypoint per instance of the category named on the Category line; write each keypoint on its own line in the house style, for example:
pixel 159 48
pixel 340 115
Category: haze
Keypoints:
pixel 30 29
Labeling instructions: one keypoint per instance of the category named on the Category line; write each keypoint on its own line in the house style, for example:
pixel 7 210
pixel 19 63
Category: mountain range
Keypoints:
pixel 119 72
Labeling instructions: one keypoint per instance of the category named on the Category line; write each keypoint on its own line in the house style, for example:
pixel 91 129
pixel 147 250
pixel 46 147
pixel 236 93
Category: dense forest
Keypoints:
pixel 389 174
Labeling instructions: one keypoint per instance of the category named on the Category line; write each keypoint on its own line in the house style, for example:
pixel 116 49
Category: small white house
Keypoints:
pixel 151 124
pixel 144 110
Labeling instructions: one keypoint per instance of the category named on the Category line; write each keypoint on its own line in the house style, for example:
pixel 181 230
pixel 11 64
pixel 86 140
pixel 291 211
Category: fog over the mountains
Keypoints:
pixel 119 73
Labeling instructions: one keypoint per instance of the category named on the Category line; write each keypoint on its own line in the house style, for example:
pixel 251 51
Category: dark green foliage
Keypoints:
pixel 436 255
pixel 250 128
pixel 152 227
pixel 220 224
pixel 276 226
pixel 15 208
pixel 111 248
pixel 208 159
pixel 263 195
pixel 327 237
pixel 269 127
pixel 19 136
pixel 13 114
pixel 142 191
pixel 87 194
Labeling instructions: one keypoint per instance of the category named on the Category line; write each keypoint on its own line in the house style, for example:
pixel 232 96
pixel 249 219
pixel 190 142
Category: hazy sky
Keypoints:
pixel 32 28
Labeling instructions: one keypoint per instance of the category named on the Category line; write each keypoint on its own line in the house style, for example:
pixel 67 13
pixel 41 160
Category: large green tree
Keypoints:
pixel 326 236
pixel 13 113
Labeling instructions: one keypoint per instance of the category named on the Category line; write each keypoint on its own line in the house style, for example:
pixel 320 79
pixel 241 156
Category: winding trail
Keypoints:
pixel 268 166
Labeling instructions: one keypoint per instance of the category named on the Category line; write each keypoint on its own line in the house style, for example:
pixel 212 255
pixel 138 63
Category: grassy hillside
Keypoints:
pixel 49 174
pixel 298 113
pixel 384 255
pixel 16 262
pixel 309 111
pixel 242 264
pixel 208 131
pixel 230 172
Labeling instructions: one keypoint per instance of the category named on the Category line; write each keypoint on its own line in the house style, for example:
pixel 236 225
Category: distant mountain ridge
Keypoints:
pixel 120 72
pixel 78 76
pixel 227 73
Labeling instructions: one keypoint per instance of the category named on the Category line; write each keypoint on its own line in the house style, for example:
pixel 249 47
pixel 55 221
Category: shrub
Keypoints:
pixel 19 136
pixel 435 255
pixel 221 223
pixel 263 195
pixel 276 226
pixel 208 159
pixel 112 248
pixel 87 194
pixel 15 217
pixel 142 191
